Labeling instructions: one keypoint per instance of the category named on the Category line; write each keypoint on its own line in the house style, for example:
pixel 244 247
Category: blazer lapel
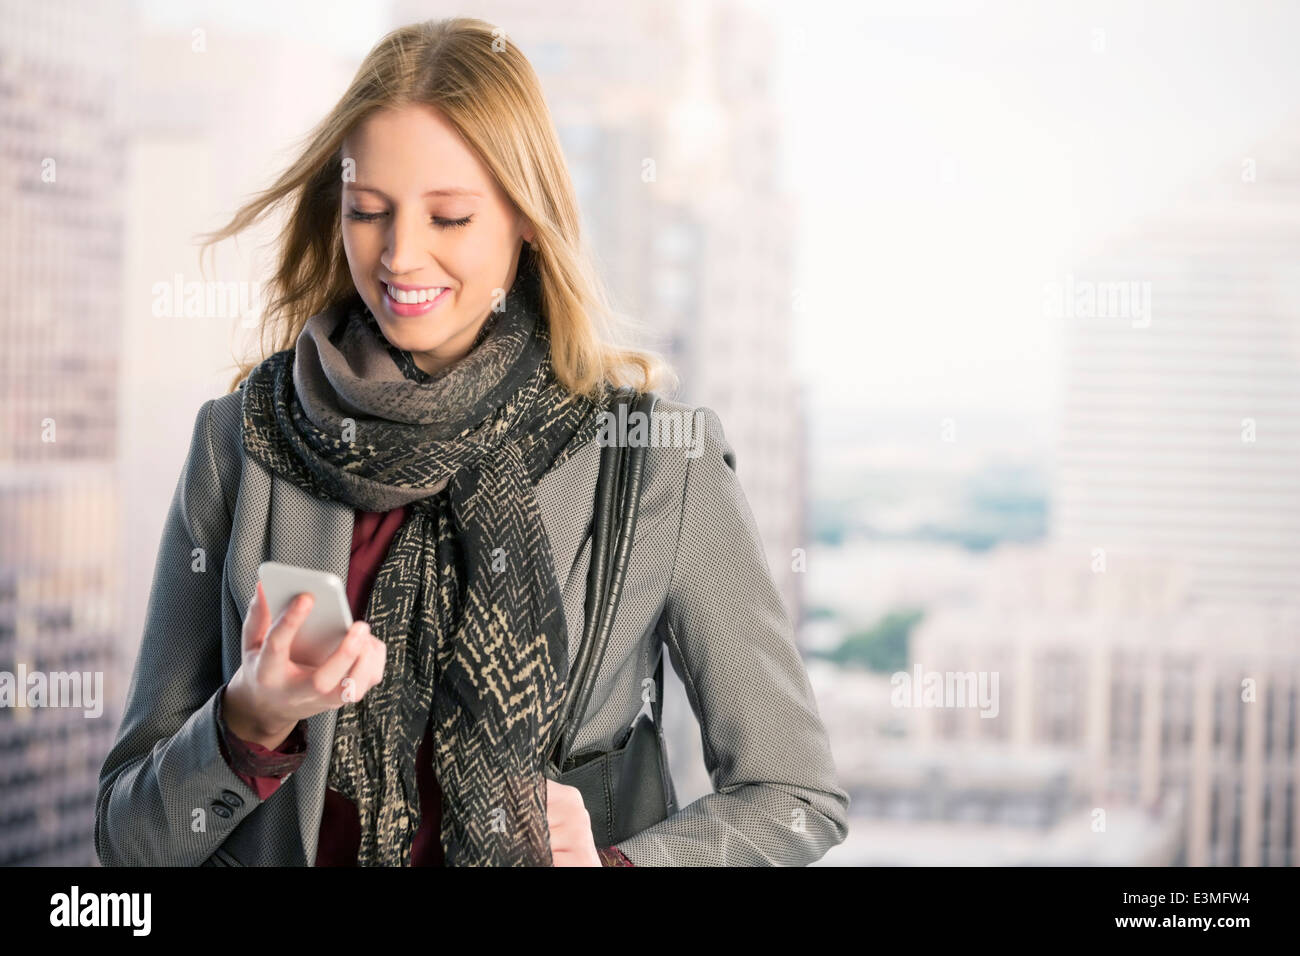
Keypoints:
pixel 565 497
pixel 312 533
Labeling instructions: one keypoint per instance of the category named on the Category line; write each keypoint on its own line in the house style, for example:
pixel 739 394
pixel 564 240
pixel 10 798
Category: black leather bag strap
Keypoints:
pixel 603 540
pixel 618 497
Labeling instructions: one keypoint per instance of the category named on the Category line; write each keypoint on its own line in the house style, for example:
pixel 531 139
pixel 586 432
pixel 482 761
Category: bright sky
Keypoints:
pixel 951 158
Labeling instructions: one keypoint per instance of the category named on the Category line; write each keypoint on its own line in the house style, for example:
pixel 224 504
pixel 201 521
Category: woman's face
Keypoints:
pixel 424 215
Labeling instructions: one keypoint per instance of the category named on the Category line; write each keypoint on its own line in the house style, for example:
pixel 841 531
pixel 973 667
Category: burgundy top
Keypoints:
pixel 340 827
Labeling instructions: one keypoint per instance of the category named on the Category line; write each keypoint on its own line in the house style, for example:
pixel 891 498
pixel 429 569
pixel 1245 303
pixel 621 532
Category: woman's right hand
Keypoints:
pixel 270 693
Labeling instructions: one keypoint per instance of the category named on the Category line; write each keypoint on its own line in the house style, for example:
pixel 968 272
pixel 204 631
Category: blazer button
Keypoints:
pixel 221 810
pixel 232 799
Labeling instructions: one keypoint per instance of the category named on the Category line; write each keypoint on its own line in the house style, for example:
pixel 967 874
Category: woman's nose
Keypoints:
pixel 409 243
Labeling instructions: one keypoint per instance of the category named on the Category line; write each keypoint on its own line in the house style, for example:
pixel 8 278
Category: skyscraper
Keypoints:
pixel 60 278
pixel 1181 426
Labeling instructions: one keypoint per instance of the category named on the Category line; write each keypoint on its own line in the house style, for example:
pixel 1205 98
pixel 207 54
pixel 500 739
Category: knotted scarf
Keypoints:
pixel 466 600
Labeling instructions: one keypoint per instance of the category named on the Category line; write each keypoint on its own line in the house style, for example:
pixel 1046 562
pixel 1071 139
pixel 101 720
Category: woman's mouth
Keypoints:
pixel 408 302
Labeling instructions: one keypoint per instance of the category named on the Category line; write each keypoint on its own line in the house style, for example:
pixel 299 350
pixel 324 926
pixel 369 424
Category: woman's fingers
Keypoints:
pixel 564 803
pixel 280 638
pixel 569 824
pixel 330 674
pixel 256 620
pixel 376 656
pixel 366 672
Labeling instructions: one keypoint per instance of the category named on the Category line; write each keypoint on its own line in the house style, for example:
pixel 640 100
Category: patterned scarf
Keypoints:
pixel 466 600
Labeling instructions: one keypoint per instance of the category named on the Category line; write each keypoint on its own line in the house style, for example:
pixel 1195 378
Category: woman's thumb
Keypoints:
pixel 259 614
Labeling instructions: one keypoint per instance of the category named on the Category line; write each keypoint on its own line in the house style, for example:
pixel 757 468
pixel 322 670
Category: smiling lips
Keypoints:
pixel 408 302
pixel 413 296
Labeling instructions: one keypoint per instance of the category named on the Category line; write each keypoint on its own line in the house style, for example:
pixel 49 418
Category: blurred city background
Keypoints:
pixel 998 303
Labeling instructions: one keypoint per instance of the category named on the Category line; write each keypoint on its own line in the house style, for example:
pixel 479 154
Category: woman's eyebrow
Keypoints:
pixel 445 191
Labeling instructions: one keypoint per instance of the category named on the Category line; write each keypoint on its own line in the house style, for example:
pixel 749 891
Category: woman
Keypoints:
pixel 427 430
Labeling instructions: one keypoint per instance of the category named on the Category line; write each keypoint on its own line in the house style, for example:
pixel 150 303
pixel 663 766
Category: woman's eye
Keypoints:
pixel 438 221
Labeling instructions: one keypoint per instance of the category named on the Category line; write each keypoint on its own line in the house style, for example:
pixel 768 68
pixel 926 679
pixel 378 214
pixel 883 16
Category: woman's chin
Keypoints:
pixel 404 333
pixel 421 348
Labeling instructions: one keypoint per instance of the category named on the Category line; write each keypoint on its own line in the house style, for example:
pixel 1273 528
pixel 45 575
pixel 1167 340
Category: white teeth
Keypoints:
pixel 414 297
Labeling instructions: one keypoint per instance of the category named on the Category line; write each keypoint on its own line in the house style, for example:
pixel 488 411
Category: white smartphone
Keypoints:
pixel 329 619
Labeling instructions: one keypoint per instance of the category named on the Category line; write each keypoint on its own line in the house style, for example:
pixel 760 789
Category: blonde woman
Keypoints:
pixel 426 429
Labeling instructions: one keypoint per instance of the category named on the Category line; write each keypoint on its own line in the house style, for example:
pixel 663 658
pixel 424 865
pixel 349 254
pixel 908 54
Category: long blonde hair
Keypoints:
pixel 488 91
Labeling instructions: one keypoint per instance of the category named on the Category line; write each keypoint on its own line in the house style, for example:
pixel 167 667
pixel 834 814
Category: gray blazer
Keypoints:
pixel 697 581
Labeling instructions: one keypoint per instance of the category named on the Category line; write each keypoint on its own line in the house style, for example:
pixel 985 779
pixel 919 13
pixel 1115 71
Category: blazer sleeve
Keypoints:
pixel 777 799
pixel 167 796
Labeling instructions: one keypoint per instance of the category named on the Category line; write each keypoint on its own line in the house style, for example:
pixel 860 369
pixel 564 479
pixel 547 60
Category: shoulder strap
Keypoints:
pixel 618 496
